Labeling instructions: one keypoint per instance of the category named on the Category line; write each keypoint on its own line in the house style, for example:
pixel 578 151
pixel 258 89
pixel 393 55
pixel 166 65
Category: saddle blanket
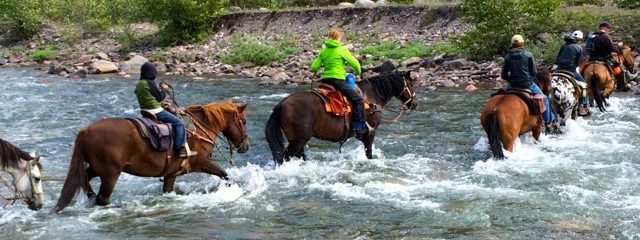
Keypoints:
pixel 158 134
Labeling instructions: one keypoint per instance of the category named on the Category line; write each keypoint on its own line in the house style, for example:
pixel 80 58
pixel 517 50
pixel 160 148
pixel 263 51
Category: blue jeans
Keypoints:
pixel 578 76
pixel 178 127
pixel 548 115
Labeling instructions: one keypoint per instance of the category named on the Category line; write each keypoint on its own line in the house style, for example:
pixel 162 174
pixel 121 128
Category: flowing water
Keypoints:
pixel 432 177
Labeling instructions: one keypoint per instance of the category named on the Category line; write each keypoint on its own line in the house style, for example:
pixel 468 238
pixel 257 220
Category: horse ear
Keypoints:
pixel 242 107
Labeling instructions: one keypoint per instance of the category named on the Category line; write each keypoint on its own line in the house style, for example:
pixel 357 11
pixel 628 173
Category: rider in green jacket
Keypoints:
pixel 333 57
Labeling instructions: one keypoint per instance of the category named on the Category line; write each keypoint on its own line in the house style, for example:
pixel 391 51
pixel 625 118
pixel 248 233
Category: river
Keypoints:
pixel 432 177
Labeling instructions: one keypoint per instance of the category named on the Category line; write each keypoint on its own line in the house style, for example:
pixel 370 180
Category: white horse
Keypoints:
pixel 24 168
pixel 564 97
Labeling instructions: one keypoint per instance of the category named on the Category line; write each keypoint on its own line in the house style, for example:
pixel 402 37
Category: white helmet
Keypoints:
pixel 577 34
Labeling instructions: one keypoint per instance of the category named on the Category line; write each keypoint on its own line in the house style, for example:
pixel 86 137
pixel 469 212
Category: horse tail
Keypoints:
pixel 274 135
pixel 494 135
pixel 595 89
pixel 77 175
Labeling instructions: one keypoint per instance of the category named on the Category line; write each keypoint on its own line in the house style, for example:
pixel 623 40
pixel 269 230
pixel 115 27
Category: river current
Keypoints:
pixel 432 176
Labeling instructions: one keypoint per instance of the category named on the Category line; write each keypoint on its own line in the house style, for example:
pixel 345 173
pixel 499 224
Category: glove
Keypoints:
pixel 554 67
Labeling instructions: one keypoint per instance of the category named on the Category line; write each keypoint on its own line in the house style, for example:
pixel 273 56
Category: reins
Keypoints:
pixel 16 194
pixel 403 107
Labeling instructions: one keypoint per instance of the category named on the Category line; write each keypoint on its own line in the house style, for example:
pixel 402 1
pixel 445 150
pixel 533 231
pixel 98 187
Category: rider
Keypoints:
pixel 518 69
pixel 149 97
pixel 569 59
pixel 333 57
pixel 603 46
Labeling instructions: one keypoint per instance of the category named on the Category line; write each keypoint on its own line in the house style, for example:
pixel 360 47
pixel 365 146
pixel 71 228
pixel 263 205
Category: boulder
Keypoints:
pixel 365 3
pixel 381 3
pixel 103 66
pixel 133 65
pixel 13 59
pixel 101 56
pixel 263 9
pixel 235 9
pixel 57 68
pixel 385 67
pixel 457 64
pixel 346 5
pixel 411 61
pixel 3 61
pixel 280 77
pixel 636 89
pixel 82 60
pixel 471 88
pixel 81 73
pixel 160 66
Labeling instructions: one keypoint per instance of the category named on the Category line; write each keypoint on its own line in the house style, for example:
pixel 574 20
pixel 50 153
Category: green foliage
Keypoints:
pixel 546 52
pixel 42 54
pixel 22 16
pixel 127 40
pixel 183 21
pixel 497 20
pixel 584 2
pixel 250 49
pixel 256 3
pixel 393 50
pixel 627 3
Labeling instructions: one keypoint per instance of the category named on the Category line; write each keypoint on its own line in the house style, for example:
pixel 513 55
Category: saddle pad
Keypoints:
pixel 581 87
pixel 527 98
pixel 158 134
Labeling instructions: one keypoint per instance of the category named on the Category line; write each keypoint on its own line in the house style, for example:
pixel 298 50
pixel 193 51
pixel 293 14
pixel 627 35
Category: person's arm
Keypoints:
pixel 155 91
pixel 578 56
pixel 532 65
pixel 505 69
pixel 352 61
pixel 560 54
pixel 317 63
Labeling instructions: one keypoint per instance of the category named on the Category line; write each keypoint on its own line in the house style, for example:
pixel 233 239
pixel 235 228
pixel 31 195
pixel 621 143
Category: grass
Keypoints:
pixel 42 54
pixel 393 50
pixel 251 49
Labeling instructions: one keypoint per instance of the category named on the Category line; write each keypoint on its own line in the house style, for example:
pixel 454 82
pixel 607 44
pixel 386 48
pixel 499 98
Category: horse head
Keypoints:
pixel 27 181
pixel 543 78
pixel 407 94
pixel 628 58
pixel 236 130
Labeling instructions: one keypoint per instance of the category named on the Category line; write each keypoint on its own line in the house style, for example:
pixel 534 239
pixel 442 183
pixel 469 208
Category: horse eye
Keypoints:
pixel 37 179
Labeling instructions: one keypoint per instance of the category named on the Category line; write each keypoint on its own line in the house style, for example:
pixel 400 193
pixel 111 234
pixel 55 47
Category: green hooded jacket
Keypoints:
pixel 332 58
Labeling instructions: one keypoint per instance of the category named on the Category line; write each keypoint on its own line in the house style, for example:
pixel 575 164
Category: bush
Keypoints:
pixel 496 21
pixel 22 16
pixel 42 54
pixel 183 21
pixel 627 3
pixel 547 51
pixel 250 49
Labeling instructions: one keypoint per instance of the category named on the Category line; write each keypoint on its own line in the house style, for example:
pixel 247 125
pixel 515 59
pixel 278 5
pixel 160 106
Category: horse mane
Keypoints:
pixel 214 112
pixel 10 155
pixel 386 85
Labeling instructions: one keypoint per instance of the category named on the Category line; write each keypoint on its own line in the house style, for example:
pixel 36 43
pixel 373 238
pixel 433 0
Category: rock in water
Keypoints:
pixel 133 65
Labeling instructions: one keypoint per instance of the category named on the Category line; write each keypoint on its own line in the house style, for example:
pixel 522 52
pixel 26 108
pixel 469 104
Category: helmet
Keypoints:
pixel 577 34
pixel 517 39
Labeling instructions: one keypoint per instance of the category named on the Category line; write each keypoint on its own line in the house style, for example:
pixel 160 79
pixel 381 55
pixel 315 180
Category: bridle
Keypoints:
pixel 403 107
pixel 209 138
pixel 18 195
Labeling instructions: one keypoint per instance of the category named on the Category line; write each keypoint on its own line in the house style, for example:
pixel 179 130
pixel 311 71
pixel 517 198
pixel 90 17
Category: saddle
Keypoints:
pixel 157 133
pixel 614 71
pixel 535 103
pixel 334 101
pixel 581 87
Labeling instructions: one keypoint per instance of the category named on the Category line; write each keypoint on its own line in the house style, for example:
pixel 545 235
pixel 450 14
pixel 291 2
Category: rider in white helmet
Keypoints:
pixel 569 59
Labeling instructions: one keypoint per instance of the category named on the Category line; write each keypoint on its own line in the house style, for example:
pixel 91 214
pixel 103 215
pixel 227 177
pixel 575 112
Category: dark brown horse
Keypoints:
pixel 505 117
pixel 113 145
pixel 302 115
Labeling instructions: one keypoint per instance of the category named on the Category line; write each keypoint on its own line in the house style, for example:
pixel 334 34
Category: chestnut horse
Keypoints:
pixel 302 115
pixel 505 117
pixel 600 80
pixel 114 145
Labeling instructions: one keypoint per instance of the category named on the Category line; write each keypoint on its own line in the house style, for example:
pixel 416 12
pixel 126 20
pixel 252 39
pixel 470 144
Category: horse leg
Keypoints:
pixel 536 131
pixel 295 149
pixel 167 186
pixel 368 144
pixel 91 173
pixel 509 138
pixel 211 168
pixel 107 183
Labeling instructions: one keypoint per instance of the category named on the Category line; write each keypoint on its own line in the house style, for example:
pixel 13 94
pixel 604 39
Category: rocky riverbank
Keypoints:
pixel 364 26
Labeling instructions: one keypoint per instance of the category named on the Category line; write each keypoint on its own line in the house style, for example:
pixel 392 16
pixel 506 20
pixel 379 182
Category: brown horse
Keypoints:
pixel 302 115
pixel 505 117
pixel 114 145
pixel 600 80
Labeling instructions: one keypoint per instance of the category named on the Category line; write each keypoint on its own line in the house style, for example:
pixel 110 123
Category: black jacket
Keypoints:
pixel 518 68
pixel 569 55
pixel 602 46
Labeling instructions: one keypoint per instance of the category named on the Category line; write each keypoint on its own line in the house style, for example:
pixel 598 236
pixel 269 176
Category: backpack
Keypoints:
pixel 588 45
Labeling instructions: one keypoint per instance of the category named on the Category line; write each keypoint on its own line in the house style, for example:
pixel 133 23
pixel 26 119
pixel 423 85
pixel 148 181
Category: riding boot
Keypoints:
pixel 183 153
pixel 361 133
pixel 552 128
pixel 583 111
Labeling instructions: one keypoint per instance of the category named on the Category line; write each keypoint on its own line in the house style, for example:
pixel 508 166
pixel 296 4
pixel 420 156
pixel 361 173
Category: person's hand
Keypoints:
pixel 165 86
